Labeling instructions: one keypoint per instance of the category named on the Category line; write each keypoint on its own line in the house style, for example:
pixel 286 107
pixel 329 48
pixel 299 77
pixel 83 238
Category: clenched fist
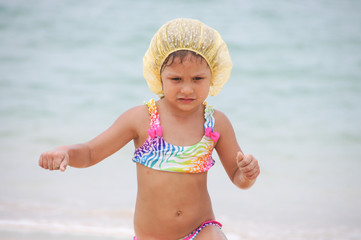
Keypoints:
pixel 54 160
pixel 248 165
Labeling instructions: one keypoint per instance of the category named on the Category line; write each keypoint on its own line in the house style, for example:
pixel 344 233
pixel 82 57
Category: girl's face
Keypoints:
pixel 186 81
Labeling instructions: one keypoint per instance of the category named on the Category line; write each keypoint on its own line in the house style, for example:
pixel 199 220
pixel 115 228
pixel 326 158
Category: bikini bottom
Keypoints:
pixel 195 232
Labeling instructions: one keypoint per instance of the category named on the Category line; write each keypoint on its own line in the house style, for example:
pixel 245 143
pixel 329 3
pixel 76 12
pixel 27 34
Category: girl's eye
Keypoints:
pixel 175 79
pixel 198 78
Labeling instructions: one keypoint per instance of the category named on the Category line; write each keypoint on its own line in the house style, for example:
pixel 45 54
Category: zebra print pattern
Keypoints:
pixel 157 154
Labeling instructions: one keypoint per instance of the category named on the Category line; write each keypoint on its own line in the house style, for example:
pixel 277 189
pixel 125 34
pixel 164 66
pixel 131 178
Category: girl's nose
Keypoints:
pixel 187 88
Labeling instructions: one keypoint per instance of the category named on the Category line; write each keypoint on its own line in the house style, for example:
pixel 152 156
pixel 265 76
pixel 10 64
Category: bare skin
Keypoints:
pixel 169 205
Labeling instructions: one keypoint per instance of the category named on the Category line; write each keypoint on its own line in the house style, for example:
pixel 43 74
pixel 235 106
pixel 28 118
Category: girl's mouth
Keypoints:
pixel 186 100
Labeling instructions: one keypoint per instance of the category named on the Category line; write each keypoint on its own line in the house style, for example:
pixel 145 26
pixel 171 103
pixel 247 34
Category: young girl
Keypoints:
pixel 174 137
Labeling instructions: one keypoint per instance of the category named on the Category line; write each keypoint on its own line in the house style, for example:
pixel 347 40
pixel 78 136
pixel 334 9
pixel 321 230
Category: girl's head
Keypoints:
pixel 203 42
pixel 186 77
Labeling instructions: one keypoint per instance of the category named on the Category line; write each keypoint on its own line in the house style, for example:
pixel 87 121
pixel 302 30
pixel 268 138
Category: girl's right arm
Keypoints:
pixel 124 129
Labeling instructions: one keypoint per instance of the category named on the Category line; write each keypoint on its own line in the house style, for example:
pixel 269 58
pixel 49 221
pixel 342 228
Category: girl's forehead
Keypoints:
pixel 187 67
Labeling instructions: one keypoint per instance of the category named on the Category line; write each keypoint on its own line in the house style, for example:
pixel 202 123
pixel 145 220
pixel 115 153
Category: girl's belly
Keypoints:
pixel 170 205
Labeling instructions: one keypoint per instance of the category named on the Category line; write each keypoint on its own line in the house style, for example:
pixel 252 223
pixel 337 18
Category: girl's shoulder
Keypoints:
pixel 138 121
pixel 133 122
pixel 219 115
pixel 133 117
pixel 221 121
pixel 140 109
pixel 137 113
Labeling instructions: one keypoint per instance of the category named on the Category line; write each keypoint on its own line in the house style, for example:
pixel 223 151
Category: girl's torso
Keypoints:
pixel 170 205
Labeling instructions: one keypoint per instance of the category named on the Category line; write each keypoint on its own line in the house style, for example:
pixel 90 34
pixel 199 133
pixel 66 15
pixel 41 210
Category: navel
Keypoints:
pixel 179 213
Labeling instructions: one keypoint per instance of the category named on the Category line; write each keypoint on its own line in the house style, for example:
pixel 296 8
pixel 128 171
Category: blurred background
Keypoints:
pixel 68 69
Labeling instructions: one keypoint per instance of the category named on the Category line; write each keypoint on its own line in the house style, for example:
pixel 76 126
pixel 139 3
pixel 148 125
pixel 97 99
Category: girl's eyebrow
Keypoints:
pixel 172 75
pixel 201 73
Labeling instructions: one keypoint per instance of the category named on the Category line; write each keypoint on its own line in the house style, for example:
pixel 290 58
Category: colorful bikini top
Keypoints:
pixel 157 154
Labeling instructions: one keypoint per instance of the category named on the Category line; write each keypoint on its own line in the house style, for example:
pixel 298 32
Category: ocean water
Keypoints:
pixel 68 69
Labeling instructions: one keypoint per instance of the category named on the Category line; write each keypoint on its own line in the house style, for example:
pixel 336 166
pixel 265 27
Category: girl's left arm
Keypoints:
pixel 243 170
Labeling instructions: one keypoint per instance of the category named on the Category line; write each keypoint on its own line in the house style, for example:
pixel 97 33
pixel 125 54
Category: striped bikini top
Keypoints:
pixel 157 154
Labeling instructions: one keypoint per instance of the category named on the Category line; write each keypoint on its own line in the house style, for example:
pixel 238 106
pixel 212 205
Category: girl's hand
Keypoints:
pixel 54 160
pixel 248 166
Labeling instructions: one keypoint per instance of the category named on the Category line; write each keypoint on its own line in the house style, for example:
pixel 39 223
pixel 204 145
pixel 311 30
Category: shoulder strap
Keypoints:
pixel 208 115
pixel 153 112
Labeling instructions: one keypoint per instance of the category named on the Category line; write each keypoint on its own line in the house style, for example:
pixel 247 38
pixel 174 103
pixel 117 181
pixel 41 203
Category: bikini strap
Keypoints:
pixel 155 122
pixel 153 112
pixel 155 128
pixel 209 124
pixel 208 116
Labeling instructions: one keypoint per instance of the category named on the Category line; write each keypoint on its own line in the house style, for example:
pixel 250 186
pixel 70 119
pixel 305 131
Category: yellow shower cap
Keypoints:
pixel 192 35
